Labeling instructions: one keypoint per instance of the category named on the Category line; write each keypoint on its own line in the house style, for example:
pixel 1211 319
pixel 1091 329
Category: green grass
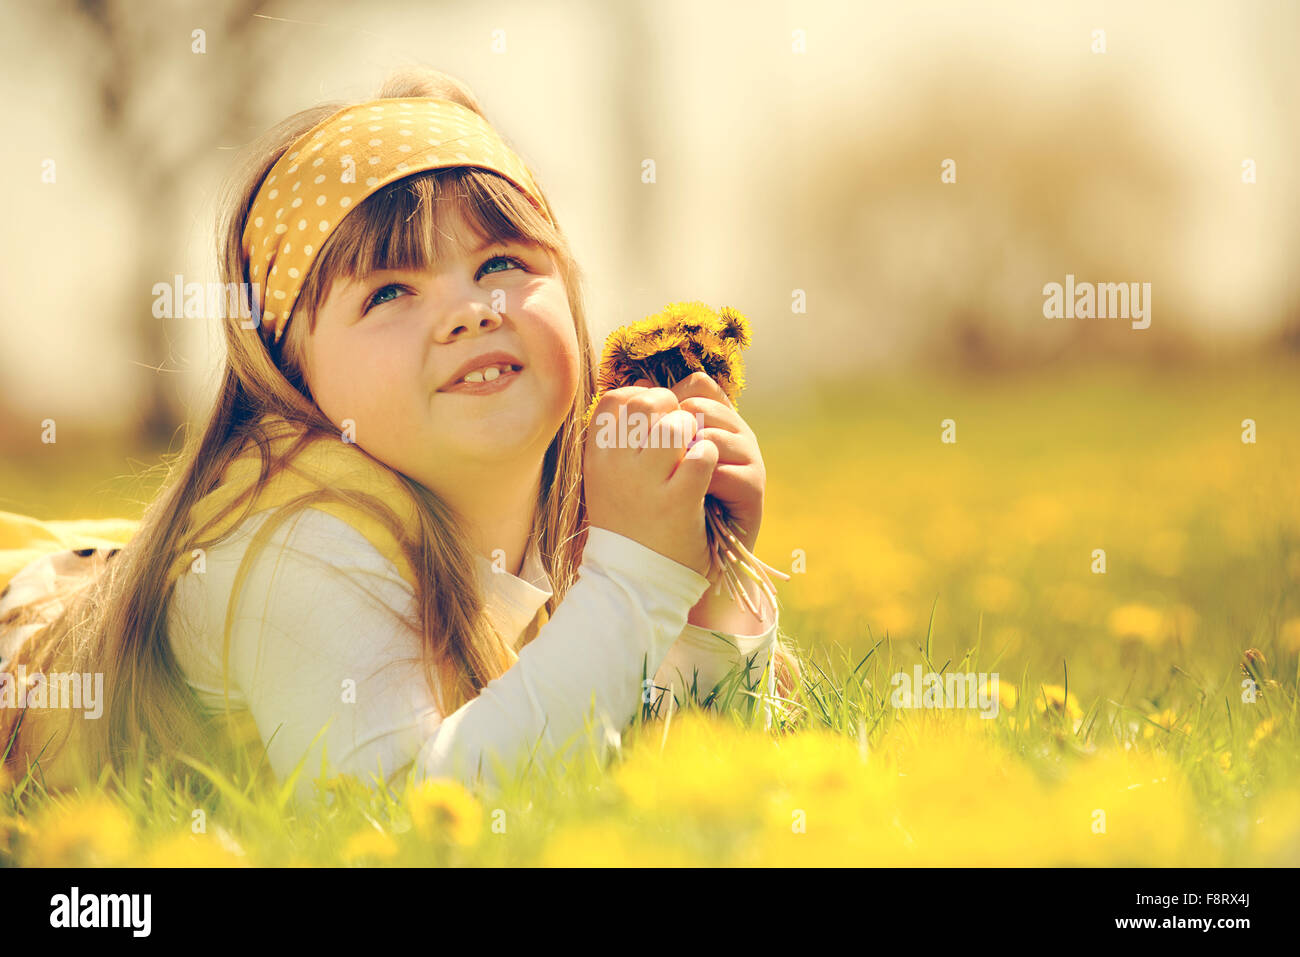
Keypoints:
pixel 976 557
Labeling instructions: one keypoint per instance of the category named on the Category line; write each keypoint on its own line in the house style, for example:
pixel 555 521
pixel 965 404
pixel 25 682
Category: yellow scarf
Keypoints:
pixel 323 463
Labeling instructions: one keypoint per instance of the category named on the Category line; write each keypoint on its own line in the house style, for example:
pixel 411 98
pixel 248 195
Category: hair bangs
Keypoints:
pixel 413 223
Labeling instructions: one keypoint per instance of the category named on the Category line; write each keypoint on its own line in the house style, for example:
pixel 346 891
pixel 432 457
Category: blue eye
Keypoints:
pixel 379 298
pixel 502 258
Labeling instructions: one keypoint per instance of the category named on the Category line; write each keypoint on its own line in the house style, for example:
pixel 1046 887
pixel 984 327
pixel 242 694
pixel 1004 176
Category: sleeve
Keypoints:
pixel 606 639
pixel 701 660
pixel 324 639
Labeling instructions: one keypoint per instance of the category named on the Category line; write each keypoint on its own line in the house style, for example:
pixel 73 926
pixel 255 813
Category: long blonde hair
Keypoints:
pixel 116 624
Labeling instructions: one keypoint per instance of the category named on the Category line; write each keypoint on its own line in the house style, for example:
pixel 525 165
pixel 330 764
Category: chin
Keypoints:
pixel 503 442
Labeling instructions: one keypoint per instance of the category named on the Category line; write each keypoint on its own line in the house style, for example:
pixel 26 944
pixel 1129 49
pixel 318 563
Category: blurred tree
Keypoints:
pixel 164 106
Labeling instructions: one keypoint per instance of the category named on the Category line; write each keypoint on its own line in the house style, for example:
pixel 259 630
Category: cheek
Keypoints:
pixel 561 361
pixel 555 340
pixel 350 381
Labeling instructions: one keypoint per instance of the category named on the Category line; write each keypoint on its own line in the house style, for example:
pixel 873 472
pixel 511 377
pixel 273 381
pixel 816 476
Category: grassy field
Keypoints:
pixel 1125 733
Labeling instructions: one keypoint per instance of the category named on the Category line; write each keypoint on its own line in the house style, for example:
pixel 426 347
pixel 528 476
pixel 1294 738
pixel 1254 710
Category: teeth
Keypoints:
pixel 487 374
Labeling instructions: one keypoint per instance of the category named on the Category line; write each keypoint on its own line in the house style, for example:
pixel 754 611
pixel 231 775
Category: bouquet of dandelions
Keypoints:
pixel 665 348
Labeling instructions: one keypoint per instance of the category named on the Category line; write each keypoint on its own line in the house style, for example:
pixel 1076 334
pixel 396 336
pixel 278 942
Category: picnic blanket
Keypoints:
pixel 24 539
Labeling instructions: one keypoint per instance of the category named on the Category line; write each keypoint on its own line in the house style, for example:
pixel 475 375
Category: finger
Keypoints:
pixel 733 448
pixel 703 385
pixel 695 469
pixel 714 414
pixel 652 400
pixel 732 483
pixel 669 436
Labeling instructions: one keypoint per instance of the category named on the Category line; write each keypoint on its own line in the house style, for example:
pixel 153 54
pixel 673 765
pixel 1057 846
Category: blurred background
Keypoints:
pixel 799 152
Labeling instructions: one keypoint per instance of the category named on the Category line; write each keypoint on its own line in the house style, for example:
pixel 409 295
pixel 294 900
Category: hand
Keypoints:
pixel 740 478
pixel 655 494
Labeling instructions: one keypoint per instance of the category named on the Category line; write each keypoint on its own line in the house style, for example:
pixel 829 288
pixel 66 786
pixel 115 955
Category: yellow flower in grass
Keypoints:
pixel 1007 693
pixel 1125 808
pixel 1263 731
pixel 193 850
pixel 965 801
pixel 1135 620
pixel 826 803
pixel 1168 720
pixel 369 844
pixel 610 843
pixel 444 809
pixel 936 790
pixel 706 769
pixel 91 832
pixel 1054 698
pixel 1153 626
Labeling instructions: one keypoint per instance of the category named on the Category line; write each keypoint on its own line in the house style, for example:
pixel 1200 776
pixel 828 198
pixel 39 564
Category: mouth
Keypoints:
pixel 486 379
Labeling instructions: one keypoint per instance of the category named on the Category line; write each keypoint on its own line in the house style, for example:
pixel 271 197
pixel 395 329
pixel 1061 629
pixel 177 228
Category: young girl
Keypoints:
pixel 392 549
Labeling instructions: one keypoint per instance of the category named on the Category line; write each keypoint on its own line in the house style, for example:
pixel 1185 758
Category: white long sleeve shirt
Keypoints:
pixel 324 632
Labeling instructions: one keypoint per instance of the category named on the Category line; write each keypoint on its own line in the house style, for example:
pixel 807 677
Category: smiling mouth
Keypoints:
pixel 486 380
pixel 488 373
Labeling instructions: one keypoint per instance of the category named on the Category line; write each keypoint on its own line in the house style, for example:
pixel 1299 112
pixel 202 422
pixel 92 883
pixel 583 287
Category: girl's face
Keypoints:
pixel 386 353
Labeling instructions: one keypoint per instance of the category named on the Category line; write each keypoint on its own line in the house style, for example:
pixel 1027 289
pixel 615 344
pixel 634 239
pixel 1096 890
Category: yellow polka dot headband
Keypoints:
pixel 342 160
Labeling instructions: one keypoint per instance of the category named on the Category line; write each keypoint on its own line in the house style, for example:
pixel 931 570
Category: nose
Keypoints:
pixel 465 311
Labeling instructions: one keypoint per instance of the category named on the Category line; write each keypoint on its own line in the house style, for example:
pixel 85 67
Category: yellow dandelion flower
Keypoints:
pixel 612 844
pixel 1007 693
pixel 1125 808
pixel 444 808
pixel 1263 731
pixel 93 832
pixel 1055 698
pixel 1138 621
pixel 369 844
pixel 703 771
pixel 735 327
pixel 193 850
pixel 1225 760
pixel 682 338
pixel 1167 719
